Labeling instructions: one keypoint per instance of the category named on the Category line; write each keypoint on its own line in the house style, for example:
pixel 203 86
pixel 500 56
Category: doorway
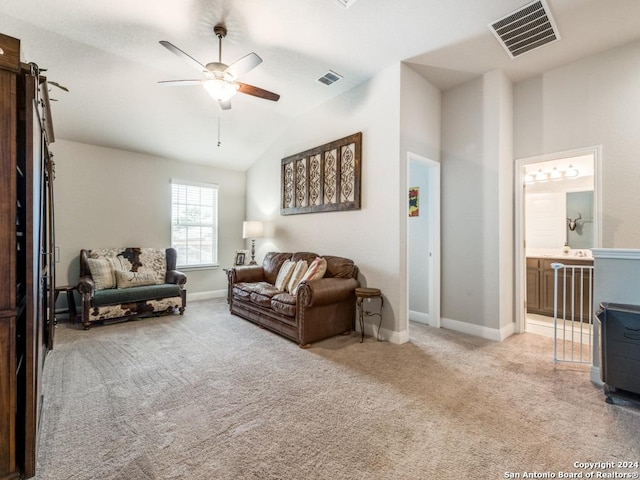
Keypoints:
pixel 549 182
pixel 423 240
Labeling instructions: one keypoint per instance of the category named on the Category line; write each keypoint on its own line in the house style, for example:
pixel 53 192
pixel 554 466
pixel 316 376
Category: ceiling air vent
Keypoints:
pixel 346 3
pixel 330 77
pixel 526 29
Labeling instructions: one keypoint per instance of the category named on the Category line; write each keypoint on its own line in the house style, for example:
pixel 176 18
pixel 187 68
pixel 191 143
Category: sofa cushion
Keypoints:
pixel 296 277
pixel 245 289
pixel 284 303
pixel 272 263
pixel 136 294
pixel 262 296
pixel 339 267
pixel 102 272
pixel 286 270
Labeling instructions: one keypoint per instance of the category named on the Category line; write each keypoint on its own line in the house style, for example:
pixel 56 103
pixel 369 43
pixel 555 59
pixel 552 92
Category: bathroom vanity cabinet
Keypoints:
pixel 540 287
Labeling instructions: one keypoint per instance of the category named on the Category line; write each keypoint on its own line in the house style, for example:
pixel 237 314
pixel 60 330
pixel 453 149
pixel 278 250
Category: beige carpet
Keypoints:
pixel 212 396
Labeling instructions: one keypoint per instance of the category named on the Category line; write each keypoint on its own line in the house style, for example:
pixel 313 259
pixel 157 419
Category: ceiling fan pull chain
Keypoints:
pixel 219 143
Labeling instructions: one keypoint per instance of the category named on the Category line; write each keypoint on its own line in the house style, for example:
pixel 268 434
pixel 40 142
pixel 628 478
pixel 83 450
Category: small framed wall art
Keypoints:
pixel 240 258
pixel 414 201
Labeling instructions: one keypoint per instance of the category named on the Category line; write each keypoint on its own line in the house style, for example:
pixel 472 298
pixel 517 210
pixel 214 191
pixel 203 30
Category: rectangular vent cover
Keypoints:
pixel 346 3
pixel 526 29
pixel 330 77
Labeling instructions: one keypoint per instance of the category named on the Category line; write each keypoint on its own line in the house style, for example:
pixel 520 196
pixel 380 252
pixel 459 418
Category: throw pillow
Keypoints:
pixel 316 270
pixel 102 273
pixel 296 277
pixel 284 274
pixel 134 279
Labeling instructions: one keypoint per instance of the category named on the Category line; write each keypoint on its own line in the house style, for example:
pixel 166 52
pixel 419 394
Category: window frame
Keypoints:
pixel 213 225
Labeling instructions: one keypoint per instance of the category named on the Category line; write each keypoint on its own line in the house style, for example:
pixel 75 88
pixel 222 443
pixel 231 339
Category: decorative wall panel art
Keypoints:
pixel 323 179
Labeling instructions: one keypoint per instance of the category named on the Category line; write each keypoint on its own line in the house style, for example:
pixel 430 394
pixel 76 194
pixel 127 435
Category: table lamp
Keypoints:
pixel 252 230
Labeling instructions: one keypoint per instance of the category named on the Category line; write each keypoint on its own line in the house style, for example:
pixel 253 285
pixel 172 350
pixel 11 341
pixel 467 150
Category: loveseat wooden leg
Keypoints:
pixel 304 345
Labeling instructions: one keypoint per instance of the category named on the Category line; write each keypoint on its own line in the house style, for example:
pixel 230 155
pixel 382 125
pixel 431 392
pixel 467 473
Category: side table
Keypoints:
pixel 361 295
pixel 71 302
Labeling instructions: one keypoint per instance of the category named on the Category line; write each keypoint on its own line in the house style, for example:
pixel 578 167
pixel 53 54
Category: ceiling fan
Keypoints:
pixel 220 79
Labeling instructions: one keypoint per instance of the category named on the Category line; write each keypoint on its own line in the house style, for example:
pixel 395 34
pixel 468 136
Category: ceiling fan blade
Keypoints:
pixel 225 105
pixel 190 60
pixel 244 64
pixel 180 83
pixel 257 92
pixel 56 84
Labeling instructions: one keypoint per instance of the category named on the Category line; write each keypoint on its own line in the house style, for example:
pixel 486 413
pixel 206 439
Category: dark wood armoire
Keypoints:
pixel 26 257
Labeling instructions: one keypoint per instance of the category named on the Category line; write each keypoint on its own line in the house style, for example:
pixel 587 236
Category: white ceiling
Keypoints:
pixel 108 55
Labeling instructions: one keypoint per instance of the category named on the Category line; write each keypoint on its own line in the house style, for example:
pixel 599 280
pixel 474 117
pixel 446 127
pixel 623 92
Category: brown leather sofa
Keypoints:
pixel 320 309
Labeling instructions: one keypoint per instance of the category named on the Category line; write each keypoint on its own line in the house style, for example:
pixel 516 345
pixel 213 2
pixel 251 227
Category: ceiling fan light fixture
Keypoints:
pixel 219 89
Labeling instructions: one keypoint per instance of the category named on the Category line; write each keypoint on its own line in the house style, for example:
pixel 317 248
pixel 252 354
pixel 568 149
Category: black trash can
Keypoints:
pixel 620 347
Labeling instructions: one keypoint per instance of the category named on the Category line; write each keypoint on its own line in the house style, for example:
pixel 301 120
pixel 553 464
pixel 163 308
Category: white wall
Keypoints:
pixel 477 207
pixel 420 112
pixel 420 115
pixel 590 102
pixel 112 198
pixel 369 236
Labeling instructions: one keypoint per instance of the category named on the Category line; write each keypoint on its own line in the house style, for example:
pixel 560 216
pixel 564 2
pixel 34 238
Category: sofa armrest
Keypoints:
pixel 250 274
pixel 86 286
pixel 326 290
pixel 174 276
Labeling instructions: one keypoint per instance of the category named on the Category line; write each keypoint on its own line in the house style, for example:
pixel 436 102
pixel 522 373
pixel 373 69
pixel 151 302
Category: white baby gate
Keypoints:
pixel 573 313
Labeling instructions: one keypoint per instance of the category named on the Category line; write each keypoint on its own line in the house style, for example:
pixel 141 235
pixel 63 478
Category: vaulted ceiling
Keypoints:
pixel 107 54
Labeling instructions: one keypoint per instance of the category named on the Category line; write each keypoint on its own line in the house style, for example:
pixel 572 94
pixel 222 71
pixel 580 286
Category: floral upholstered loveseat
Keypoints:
pixel 123 283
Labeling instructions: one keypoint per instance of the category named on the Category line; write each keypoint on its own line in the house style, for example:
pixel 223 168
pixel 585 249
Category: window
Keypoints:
pixel 194 223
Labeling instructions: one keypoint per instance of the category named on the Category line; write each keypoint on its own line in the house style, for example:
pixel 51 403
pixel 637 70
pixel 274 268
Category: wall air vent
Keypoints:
pixel 346 3
pixel 330 77
pixel 526 29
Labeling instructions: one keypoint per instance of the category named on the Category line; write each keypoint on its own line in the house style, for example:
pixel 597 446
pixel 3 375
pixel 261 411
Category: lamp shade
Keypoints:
pixel 252 229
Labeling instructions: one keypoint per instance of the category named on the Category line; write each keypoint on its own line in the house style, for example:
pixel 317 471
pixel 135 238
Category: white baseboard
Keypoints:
pixel 206 295
pixel 419 317
pixel 481 331
pixel 397 338
pixel 385 335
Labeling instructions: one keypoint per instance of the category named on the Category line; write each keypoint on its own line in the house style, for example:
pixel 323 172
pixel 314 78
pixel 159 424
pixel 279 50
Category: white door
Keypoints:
pixel 423 242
